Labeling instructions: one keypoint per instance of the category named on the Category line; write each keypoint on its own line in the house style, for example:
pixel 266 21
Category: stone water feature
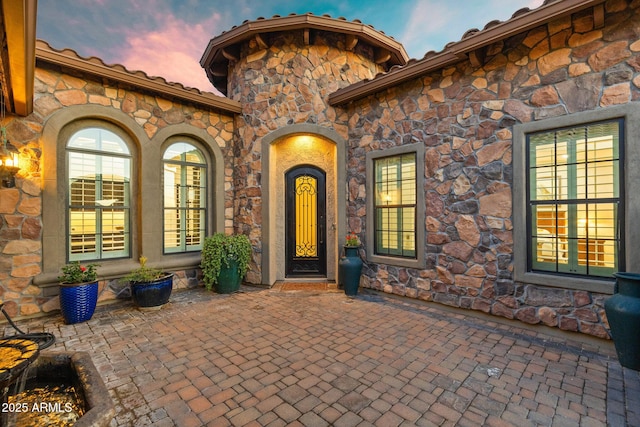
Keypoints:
pixel 15 357
pixel 50 388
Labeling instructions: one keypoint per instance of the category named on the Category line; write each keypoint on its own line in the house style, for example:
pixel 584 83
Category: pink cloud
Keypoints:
pixel 172 51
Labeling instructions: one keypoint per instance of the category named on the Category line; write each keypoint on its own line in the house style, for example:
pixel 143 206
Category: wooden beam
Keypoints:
pixel 219 69
pixel 229 55
pixel 477 57
pixel 382 56
pixel 351 42
pixel 260 41
pixel 306 36
pixel 598 16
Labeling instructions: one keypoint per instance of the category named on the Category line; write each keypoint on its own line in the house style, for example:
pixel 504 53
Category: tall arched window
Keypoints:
pixel 98 210
pixel 185 198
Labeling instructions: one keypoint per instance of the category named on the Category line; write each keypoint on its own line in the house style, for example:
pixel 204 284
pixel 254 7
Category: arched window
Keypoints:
pixel 98 209
pixel 185 198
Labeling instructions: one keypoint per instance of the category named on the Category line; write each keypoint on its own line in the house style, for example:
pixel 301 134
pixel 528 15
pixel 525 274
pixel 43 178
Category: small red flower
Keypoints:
pixel 83 269
pixel 352 240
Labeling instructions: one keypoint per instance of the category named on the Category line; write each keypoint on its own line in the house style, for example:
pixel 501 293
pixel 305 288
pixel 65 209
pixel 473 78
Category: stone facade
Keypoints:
pixel 464 115
pixel 21 208
pixel 286 84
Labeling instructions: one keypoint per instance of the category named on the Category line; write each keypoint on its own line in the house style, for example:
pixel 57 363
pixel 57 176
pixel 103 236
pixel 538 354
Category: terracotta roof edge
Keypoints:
pixel 290 22
pixel 392 78
pixel 457 51
pixel 70 58
pixel 522 22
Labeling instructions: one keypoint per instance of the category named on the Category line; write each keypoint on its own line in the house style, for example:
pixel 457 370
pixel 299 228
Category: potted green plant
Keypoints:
pixel 225 261
pixel 78 292
pixel 150 287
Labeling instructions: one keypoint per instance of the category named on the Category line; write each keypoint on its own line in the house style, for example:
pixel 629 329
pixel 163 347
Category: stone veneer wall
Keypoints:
pixel 21 207
pixel 285 84
pixel 464 116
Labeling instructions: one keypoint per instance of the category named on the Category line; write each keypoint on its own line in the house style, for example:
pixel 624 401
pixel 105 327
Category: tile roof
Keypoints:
pixel 401 68
pixel 223 47
pixel 473 39
pixel 96 66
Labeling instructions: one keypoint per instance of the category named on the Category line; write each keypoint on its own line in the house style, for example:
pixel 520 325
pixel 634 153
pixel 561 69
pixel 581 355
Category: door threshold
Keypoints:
pixel 317 285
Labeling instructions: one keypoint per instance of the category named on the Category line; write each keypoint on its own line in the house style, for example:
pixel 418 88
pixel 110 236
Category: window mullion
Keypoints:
pixel 184 192
pixel 98 211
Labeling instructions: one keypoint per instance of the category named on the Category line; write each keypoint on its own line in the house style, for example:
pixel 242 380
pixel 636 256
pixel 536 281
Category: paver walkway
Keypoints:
pixel 266 358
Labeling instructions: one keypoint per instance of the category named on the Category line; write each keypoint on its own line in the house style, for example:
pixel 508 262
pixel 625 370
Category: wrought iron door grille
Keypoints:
pixel 306 202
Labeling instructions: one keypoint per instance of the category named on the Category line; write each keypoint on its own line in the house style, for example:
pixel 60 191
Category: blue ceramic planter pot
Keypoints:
pixel 152 294
pixel 78 301
pixel 623 313
pixel 349 270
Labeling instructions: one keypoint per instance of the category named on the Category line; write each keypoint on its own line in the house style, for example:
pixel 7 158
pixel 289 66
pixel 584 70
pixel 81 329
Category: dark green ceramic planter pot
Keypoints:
pixel 349 270
pixel 623 313
pixel 229 279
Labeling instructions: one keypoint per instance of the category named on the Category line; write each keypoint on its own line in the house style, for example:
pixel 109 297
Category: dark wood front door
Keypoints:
pixel 306 249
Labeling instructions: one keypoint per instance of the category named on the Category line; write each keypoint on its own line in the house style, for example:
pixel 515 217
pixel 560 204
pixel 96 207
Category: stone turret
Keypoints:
pixel 282 71
pixel 268 40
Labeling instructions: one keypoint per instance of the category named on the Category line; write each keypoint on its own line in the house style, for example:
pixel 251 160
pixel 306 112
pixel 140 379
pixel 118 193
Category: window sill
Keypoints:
pixel 112 269
pixel 396 261
pixel 599 285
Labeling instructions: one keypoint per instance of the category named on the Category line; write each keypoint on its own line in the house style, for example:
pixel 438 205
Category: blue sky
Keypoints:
pixel 167 37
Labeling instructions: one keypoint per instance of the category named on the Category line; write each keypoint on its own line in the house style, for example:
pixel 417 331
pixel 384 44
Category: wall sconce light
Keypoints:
pixel 9 164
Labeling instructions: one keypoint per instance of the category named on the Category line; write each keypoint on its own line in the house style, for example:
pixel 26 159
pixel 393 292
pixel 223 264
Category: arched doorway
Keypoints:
pixel 306 150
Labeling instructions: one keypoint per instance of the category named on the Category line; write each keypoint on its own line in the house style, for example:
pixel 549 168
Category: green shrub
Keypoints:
pixel 218 250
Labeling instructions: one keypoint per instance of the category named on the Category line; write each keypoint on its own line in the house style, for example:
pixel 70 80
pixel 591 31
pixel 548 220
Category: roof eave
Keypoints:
pixel 384 81
pixel 215 55
pixel 458 51
pixel 522 23
pixel 70 60
pixel 296 22
pixel 19 19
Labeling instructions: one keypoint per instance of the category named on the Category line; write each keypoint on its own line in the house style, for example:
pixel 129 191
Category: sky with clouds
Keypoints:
pixel 167 37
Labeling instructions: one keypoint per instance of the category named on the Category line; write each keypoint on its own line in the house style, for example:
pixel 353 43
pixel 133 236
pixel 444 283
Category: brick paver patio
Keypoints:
pixel 268 358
